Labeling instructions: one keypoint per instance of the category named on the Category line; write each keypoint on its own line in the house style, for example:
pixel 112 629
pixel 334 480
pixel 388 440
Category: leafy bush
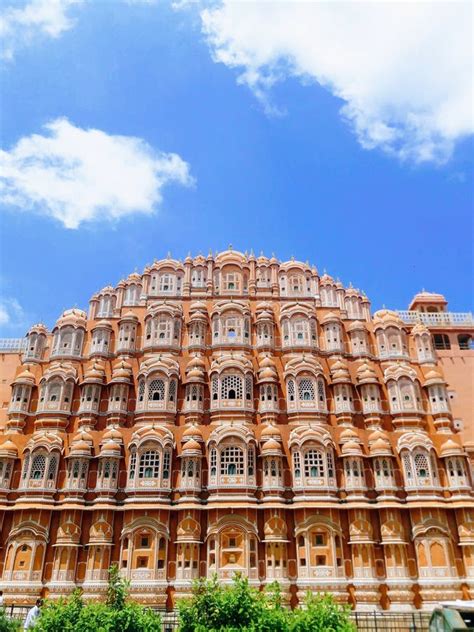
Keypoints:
pixel 116 615
pixel 321 614
pixel 240 608
pixel 6 624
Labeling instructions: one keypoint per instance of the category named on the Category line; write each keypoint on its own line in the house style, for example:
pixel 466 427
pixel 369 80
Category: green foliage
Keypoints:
pixel 240 608
pixel 321 614
pixel 116 615
pixel 6 624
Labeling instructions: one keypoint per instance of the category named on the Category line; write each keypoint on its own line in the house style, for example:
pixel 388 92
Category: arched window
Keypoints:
pixel 314 464
pixel 232 461
pixel 156 390
pixel 132 295
pixel 441 341
pixel 231 387
pixel 465 342
pixel 420 468
pixel 149 466
pixel 318 468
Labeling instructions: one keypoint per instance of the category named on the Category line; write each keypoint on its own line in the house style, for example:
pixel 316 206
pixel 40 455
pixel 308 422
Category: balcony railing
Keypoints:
pixel 436 319
pixel 12 345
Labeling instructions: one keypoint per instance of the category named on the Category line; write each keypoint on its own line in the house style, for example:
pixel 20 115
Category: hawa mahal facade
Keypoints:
pixel 234 413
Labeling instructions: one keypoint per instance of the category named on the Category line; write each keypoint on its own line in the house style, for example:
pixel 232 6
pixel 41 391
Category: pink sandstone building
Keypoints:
pixel 236 413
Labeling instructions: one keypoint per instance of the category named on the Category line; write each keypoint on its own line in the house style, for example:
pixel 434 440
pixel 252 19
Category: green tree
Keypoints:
pixel 6 624
pixel 241 608
pixel 118 614
pixel 321 614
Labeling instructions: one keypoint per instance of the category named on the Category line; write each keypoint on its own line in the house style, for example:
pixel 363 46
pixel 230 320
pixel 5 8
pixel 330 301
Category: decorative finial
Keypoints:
pixel 292 257
pixel 168 255
pixel 230 247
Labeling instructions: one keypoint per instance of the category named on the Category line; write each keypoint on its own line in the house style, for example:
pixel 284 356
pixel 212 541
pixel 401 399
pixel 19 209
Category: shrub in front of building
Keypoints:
pixel 214 607
pixel 117 614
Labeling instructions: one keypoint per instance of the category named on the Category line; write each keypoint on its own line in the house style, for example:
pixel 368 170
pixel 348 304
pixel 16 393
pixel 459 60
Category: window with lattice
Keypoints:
pixel 232 461
pixel 156 390
pixel 38 467
pixel 330 464
pixel 422 467
pixel 163 329
pixel 251 461
pixel 314 464
pixel 141 390
pixel 167 282
pixel 172 391
pixel 306 389
pixel 26 466
pixel 300 329
pixel 321 391
pixel 213 461
pixel 53 465
pixel 215 388
pixel 149 465
pixel 166 464
pixel 231 387
pixel 248 387
pixel 408 466
pixel 291 390
pixel 133 465
pixel 297 464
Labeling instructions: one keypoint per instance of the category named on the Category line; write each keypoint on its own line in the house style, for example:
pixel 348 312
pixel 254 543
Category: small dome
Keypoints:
pixel 102 324
pixel 197 361
pixel 94 373
pixel 351 447
pixel 450 448
pixel 348 435
pixel 420 329
pixel 129 316
pixel 380 447
pixel 326 279
pixel 340 372
pixel 270 431
pixel 191 447
pixel 330 317
pixel 433 377
pixel 74 317
pixel 112 434
pixel 25 377
pixel 39 328
pixel 198 306
pixel 80 448
pixel 8 449
pixel 387 318
pixel 134 277
pixel 122 372
pixel 111 448
pixel 192 432
pixel 366 374
pixel 271 447
pixel 357 325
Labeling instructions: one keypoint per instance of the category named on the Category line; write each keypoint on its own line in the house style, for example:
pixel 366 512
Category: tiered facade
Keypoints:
pixel 233 413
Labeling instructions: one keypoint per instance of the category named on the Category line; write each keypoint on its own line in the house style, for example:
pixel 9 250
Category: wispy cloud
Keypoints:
pixel 402 69
pixel 21 25
pixel 12 314
pixel 77 175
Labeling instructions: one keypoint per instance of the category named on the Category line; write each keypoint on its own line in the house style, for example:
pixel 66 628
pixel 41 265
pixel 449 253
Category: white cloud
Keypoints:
pixel 11 313
pixel 76 175
pixel 19 26
pixel 403 69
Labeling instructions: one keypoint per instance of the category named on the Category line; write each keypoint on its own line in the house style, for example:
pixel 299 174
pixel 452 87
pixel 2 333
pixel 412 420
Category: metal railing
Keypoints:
pixel 391 621
pixel 375 621
pixel 12 345
pixel 436 319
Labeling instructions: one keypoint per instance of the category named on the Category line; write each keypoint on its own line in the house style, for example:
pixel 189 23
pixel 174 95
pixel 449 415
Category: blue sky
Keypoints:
pixel 269 164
